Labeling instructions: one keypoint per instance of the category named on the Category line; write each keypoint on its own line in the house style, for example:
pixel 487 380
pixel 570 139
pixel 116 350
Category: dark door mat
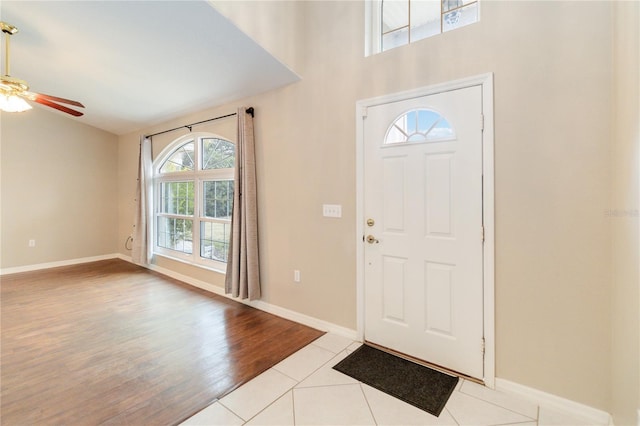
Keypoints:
pixel 415 384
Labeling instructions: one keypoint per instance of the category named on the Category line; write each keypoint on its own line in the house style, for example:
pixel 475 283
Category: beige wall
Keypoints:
pixel 625 199
pixel 552 65
pixel 58 187
pixel 565 274
pixel 282 34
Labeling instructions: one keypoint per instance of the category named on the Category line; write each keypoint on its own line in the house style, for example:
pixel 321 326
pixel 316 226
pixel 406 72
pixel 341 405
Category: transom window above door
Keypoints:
pixel 419 125
pixel 394 23
pixel 193 192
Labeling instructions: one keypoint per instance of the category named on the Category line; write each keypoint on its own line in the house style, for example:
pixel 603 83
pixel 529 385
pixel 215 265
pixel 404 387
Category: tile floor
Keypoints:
pixel 305 390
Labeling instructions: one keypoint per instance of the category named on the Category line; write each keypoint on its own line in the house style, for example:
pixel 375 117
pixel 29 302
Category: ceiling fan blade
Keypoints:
pixel 57 99
pixel 62 108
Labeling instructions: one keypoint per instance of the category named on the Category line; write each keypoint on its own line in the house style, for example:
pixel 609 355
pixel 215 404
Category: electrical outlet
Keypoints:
pixel 332 210
pixel 32 243
pixel 296 276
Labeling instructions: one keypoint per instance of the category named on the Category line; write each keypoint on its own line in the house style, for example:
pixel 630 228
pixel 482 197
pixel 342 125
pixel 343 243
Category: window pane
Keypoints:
pixel 395 14
pixel 181 160
pixel 425 19
pixel 460 17
pixel 218 199
pixel 214 240
pixel 401 22
pixel 395 39
pixel 217 154
pixel 177 198
pixel 175 234
pixel 419 125
pixel 442 130
pixel 426 120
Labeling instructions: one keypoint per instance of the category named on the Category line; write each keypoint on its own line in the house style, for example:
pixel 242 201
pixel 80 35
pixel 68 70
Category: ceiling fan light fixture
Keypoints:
pixel 13 103
pixel 14 91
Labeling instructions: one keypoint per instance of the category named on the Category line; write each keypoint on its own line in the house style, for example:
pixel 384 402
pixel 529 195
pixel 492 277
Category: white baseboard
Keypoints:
pixel 259 304
pixel 542 398
pixel 38 266
pixel 593 415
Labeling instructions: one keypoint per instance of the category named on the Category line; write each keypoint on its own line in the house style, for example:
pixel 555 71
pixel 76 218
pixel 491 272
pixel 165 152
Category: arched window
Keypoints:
pixel 194 199
pixel 419 125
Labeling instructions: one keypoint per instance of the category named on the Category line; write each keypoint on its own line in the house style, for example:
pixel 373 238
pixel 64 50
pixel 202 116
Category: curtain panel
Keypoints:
pixel 141 250
pixel 243 268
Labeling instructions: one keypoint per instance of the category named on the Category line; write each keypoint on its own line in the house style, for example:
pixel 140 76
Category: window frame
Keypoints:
pixel 373 25
pixel 198 176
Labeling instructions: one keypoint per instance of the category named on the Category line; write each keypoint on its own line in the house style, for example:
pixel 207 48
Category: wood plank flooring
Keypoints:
pixel 113 343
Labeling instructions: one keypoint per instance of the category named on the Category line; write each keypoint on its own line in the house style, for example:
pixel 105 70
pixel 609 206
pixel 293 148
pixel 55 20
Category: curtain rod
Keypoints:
pixel 189 126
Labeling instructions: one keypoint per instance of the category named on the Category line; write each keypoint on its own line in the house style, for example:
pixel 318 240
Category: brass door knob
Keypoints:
pixel 372 240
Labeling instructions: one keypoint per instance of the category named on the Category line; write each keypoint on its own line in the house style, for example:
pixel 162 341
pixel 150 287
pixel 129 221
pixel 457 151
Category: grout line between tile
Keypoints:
pixel 322 347
pixel 373 416
pixel 234 413
pixel 272 402
pixel 293 405
pixel 452 416
pixel 310 374
pixel 500 406
pixel 286 375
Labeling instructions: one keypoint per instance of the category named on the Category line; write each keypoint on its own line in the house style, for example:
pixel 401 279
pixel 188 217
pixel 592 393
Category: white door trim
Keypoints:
pixel 486 82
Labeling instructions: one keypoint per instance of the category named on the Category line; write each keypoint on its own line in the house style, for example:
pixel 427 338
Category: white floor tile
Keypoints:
pixel 304 389
pixel 327 376
pixel 468 410
pixel 504 400
pixel 304 362
pixel 255 395
pixel 280 413
pixel 550 416
pixel 388 410
pixel 213 415
pixel 520 424
pixel 332 405
pixel 332 342
pixel 352 347
pixel 459 384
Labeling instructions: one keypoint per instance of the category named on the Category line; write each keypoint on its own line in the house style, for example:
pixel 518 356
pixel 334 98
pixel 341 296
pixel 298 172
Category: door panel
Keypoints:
pixel 423 268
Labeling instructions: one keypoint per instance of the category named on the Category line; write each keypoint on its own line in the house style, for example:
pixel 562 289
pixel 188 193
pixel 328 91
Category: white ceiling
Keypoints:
pixel 136 63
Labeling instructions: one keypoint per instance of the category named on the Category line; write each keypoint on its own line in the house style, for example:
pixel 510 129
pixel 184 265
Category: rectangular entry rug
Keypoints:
pixel 415 384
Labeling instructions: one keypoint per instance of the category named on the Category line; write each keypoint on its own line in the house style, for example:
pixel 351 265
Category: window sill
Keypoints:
pixel 185 262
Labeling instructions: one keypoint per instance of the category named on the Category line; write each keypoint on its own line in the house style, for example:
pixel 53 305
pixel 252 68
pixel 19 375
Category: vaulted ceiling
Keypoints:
pixel 137 63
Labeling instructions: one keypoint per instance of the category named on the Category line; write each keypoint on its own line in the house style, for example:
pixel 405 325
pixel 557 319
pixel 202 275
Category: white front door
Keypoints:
pixel 423 272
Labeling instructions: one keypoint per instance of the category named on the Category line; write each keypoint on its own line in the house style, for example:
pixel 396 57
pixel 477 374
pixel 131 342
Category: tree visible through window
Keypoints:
pixel 194 199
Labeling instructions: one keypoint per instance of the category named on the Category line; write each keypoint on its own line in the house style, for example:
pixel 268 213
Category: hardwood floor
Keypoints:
pixel 112 343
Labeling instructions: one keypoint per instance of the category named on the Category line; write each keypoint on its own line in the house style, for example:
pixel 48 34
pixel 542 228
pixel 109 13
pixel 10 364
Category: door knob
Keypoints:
pixel 372 240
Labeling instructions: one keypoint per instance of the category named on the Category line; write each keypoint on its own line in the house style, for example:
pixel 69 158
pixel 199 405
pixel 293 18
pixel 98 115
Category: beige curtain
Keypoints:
pixel 243 268
pixel 141 249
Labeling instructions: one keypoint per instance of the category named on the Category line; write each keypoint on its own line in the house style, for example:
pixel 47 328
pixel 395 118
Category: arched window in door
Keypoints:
pixel 419 125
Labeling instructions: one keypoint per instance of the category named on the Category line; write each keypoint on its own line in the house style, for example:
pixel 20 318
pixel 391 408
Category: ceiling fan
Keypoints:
pixel 14 91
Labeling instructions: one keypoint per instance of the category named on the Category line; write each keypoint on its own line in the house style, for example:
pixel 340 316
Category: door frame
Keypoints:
pixel 486 83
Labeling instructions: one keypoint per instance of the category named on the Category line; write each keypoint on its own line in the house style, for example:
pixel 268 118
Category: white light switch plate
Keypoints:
pixel 331 210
